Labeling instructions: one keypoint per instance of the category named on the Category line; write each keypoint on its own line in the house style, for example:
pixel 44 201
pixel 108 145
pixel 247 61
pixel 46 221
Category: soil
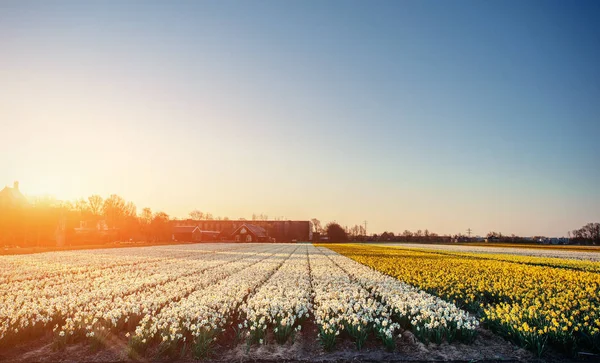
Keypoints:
pixel 304 347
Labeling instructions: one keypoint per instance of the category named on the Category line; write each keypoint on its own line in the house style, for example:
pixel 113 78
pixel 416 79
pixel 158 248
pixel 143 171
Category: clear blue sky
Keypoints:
pixel 408 114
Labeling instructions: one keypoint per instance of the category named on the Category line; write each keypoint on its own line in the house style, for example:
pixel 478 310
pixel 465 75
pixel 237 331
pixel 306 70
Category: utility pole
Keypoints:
pixel 365 228
pixel 469 232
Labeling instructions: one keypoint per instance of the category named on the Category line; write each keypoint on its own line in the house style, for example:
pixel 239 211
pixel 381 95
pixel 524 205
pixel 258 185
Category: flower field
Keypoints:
pixel 187 300
pixel 585 253
pixel 535 303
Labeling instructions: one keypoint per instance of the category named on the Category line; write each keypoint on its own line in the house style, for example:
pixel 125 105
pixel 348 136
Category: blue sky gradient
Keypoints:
pixel 409 114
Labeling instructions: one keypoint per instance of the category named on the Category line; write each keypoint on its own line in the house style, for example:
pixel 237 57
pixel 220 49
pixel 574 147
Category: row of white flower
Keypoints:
pixel 98 292
pixel 55 266
pixel 99 268
pixel 148 296
pixel 204 313
pixel 420 309
pixel 283 302
pixel 343 304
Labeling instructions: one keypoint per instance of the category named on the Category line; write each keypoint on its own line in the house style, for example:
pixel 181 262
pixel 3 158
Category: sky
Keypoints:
pixel 407 114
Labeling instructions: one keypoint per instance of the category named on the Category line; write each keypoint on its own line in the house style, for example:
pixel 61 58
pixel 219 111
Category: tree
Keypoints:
pixel 588 233
pixel 114 210
pixel 161 230
pixel 146 222
pixel 336 233
pixel 82 206
pixel 317 225
pixel 95 204
pixel 361 230
pixel 122 216
pixel 146 216
pixel 131 224
pixel 196 214
pixel 354 231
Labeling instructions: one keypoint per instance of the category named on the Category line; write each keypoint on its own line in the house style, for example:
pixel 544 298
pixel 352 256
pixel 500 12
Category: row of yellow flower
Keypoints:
pixel 572 263
pixel 532 305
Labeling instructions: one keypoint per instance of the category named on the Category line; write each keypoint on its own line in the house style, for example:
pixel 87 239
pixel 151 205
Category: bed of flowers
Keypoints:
pixel 571 263
pixel 582 253
pixel 27 307
pixel 343 305
pixel 198 319
pixel 282 303
pixel 429 317
pixel 189 300
pixel 571 259
pixel 534 306
pixel 131 302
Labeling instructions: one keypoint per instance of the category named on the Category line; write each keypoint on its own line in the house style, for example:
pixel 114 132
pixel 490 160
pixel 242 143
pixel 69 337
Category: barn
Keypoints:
pixel 187 234
pixel 250 233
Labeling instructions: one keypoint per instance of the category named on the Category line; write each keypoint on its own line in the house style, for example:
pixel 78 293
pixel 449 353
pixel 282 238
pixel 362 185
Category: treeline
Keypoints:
pixel 588 234
pixel 45 221
pixel 336 233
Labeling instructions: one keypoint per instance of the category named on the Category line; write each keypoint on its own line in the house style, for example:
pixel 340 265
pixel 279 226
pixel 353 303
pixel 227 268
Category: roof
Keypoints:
pixel 184 229
pixel 254 229
pixel 12 195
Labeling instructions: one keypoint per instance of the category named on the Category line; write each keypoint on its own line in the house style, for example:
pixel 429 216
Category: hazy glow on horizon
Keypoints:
pixel 410 115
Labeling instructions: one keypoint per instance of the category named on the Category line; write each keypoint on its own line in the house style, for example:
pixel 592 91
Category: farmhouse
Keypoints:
pixel 250 233
pixel 12 197
pixel 94 230
pixel 193 234
pixel 187 233
pixel 280 230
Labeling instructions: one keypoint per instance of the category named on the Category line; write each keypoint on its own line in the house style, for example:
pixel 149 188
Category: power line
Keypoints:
pixel 469 232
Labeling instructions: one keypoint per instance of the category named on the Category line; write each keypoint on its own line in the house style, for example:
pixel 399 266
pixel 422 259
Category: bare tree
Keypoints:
pixel 196 214
pixel 317 225
pixel 96 202
pixel 590 233
pixel 146 216
pixel 82 206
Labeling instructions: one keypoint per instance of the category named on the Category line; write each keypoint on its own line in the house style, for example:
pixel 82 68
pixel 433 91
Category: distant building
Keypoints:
pixel 553 241
pixel 12 197
pixel 281 231
pixel 193 234
pixel 250 233
pixel 92 231
pixel 187 234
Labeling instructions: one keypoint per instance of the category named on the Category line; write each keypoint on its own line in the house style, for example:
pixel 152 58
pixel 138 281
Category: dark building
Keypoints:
pixel 187 234
pixel 250 233
pixel 194 234
pixel 12 197
pixel 280 231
